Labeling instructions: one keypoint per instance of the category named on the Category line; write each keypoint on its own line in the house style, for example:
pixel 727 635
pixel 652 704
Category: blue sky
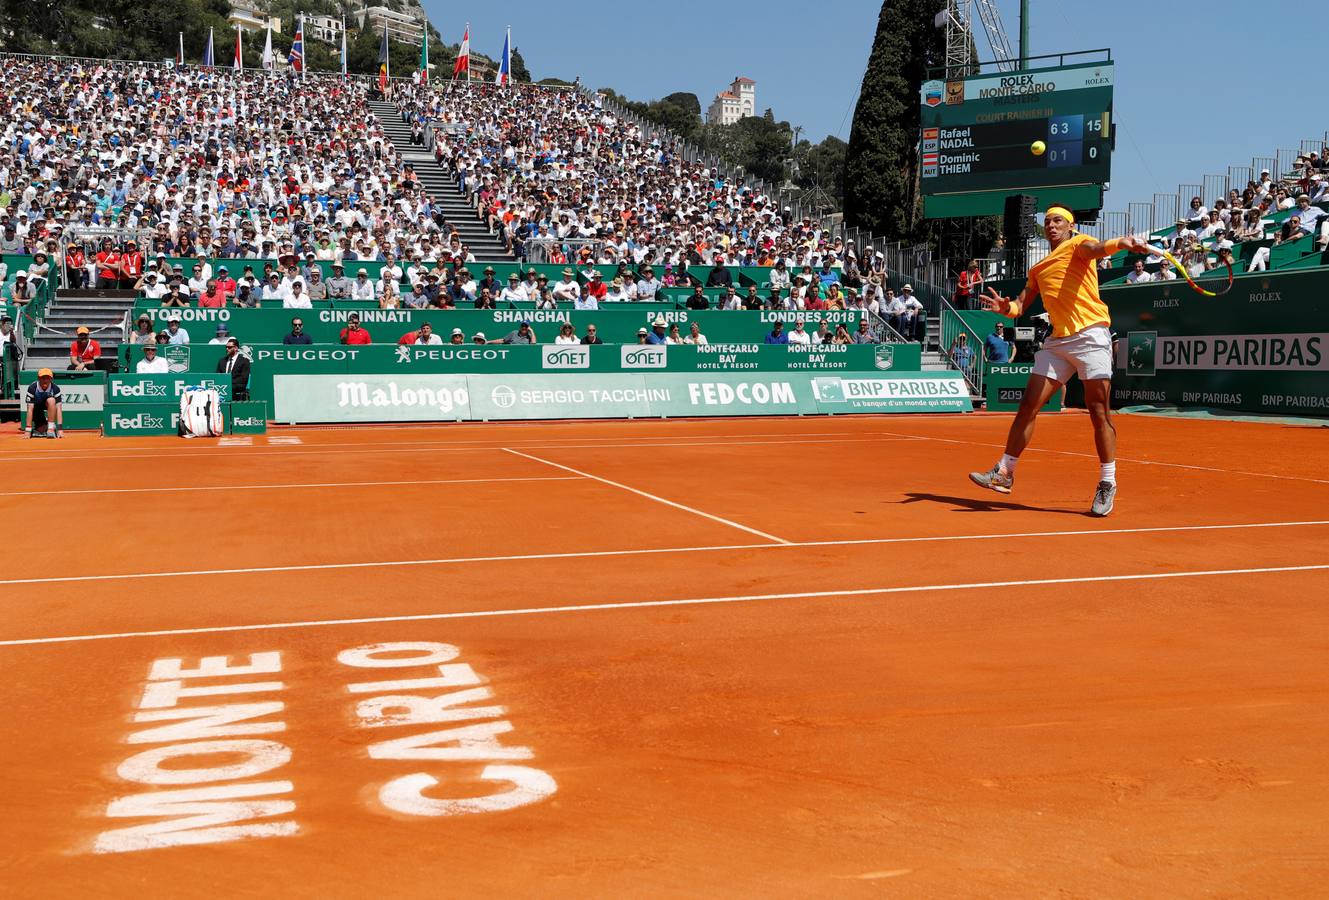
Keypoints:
pixel 808 63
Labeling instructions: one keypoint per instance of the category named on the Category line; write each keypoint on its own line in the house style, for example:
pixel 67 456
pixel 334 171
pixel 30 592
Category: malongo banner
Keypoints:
pixel 423 397
pixel 1262 347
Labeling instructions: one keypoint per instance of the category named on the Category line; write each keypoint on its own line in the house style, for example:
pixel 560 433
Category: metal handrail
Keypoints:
pixel 951 326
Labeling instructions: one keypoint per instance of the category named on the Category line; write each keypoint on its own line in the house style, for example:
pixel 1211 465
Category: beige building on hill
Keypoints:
pixel 738 101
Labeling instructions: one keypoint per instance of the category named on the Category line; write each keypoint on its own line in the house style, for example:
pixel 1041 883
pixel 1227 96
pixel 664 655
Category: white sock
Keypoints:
pixel 1007 463
pixel 1108 472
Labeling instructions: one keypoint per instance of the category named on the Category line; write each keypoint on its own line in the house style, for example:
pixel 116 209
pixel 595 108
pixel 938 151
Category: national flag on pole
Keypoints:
pixel 269 62
pixel 238 64
pixel 464 55
pixel 422 76
pixel 207 52
pixel 180 55
pixel 297 55
pixel 383 73
pixel 504 75
pixel 343 46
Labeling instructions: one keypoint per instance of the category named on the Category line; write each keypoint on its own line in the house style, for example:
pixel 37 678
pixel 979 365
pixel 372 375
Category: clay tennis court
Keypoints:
pixel 782 657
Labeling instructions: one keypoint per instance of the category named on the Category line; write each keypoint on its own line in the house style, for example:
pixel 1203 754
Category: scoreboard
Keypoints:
pixel 1038 132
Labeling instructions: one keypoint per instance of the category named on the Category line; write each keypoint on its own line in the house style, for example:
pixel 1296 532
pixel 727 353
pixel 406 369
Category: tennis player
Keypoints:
pixel 1080 344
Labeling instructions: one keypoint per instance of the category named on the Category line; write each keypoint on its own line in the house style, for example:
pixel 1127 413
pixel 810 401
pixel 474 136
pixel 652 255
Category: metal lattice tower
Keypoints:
pixel 959 18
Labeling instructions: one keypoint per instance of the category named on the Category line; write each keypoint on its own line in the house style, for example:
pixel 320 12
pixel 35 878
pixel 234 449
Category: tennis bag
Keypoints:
pixel 200 413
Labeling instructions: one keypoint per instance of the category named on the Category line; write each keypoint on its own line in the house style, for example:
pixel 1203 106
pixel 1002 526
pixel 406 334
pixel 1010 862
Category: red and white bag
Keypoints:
pixel 200 413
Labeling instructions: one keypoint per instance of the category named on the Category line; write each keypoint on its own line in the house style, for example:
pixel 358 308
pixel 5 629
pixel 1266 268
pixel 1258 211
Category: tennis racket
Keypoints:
pixel 1187 275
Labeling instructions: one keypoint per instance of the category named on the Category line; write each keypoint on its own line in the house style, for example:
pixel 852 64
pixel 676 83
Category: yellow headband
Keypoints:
pixel 1060 211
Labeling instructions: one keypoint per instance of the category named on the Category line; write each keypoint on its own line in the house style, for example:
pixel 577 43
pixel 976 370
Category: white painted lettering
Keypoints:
pixel 472 742
pixel 425 653
pixel 206 722
pixel 406 794
pixel 407 709
pixel 215 667
pixel 198 816
pixel 259 757
pixel 163 694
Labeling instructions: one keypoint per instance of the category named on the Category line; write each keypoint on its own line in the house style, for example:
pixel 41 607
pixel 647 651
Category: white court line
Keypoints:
pixel 1094 456
pixel 648 496
pixel 591 554
pixel 282 487
pixel 306 450
pixel 204 449
pixel 655 604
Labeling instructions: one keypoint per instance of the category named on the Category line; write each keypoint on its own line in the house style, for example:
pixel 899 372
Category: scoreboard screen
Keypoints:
pixel 1017 132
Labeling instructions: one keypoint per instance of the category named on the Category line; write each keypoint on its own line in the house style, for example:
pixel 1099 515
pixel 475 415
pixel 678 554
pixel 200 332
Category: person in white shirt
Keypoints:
pixel 223 334
pixel 296 298
pixel 779 276
pixel 567 334
pixel 695 336
pixel 151 363
pixel 616 293
pixel 566 290
pixel 799 335
pixel 513 292
pixel 151 288
pixel 648 285
pixel 426 335
pixel 362 288
pixel 273 290
pixel 198 282
pixel 1165 272
pixel 587 302
pixel 1139 275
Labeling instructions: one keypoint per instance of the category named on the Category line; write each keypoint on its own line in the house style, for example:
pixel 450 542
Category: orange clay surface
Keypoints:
pixel 834 667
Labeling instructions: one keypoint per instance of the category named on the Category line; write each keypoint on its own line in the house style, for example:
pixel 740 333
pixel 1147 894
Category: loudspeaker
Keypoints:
pixel 1018 225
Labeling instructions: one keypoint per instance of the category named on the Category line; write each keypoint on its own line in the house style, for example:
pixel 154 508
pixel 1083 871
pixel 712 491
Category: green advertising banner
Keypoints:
pixel 271 360
pixel 618 325
pixel 1262 347
pixel 439 397
pixel 247 417
pixel 160 388
pixel 1005 386
pixel 141 420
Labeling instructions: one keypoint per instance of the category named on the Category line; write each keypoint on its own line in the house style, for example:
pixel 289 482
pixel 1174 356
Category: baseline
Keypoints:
pixel 655 604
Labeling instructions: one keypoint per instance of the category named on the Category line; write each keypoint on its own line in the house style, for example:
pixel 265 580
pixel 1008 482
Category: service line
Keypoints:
pixel 652 551
pixel 283 487
pixel 689 601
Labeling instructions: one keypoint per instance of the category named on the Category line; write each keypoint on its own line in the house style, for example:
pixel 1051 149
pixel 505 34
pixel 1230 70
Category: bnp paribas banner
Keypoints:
pixel 439 397
pixel 1262 347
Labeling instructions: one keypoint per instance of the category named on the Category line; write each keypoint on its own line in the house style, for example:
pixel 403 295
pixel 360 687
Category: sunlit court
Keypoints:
pixel 624 657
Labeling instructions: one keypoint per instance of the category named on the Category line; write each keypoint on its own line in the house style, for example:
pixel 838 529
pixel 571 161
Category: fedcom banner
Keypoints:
pixel 425 397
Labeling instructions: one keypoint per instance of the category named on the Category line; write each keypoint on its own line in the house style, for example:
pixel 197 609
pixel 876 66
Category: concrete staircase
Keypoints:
pixel 101 311
pixel 441 185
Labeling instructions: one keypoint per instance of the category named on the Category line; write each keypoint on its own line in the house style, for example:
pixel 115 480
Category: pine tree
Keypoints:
pixel 881 166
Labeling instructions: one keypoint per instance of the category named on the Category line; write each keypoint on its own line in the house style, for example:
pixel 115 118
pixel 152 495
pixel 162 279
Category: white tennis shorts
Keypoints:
pixel 1086 353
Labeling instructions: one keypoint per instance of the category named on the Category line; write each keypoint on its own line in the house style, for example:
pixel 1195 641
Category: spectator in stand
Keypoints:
pixel 648 286
pixel 514 292
pixel 39 271
pixel 657 334
pixel 842 335
pixel 961 354
pixel 417 298
pixel 968 285
pixel 353 334
pixel 523 335
pixel 863 335
pixel 1165 272
pixel 719 277
pixel 823 334
pixel 995 347
pixel 152 362
pixel 362 288
pixel 174 333
pixel 339 286
pixel 297 336
pixel 296 298
pixel 567 334
pixel 142 332
pixel 20 292
pixel 617 291
pixel 150 287
pixel 694 335
pixel 588 300
pixel 173 298
pixel 729 299
pixel 698 300
pixel 592 336
pixel 211 297
pixel 595 288
pixel 566 289
pixel 315 287
pixel 480 338
pixel 84 351
pixel 1138 274
pixel 235 364
pixel 674 336
pixel 223 334
pixel 427 337
pixel 799 335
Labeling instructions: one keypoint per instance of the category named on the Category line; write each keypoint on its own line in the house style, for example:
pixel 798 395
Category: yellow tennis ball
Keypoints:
pixel 1037 148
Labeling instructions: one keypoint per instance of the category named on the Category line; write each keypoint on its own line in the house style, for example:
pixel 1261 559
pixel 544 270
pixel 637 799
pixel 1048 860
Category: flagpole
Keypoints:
pixel 468 58
pixel 181 58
